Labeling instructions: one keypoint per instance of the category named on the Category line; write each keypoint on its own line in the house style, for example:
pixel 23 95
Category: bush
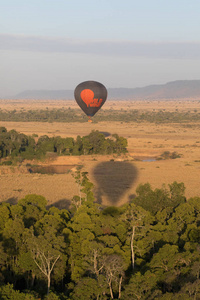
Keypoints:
pixel 169 155
pixel 7 163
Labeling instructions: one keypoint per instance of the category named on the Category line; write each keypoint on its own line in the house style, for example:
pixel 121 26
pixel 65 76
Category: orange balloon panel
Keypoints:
pixel 88 97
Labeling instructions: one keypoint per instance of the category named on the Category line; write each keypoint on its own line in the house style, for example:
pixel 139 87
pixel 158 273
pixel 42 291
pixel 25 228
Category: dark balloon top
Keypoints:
pixel 90 96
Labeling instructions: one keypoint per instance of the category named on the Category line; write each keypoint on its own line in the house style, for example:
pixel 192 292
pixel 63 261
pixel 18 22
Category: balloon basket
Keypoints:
pixel 89 120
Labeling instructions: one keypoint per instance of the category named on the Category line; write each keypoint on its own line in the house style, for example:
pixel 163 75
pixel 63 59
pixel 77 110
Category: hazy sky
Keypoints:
pixel 56 44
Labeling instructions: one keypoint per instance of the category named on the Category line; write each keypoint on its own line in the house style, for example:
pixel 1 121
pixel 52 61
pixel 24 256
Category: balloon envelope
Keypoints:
pixel 90 96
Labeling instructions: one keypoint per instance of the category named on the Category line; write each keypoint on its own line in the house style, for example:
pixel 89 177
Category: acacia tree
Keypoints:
pixel 84 188
pixel 47 246
pixel 138 224
pixel 114 269
pixel 96 252
pixel 45 258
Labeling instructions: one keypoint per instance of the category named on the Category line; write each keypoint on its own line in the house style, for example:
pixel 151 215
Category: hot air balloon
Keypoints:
pixel 90 96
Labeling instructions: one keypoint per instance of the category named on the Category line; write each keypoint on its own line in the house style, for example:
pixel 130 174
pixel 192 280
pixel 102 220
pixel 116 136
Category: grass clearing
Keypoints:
pixel 145 140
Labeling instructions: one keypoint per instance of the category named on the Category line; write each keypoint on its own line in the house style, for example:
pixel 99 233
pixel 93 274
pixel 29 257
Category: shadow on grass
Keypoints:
pixel 113 179
pixel 12 200
pixel 61 204
pixel 105 133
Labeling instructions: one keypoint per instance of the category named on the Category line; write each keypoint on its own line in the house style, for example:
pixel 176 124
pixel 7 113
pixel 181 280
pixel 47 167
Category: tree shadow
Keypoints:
pixel 12 200
pixel 113 179
pixel 105 133
pixel 131 197
pixel 61 204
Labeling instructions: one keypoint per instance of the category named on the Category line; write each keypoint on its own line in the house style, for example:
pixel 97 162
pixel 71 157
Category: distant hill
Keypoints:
pixel 171 90
pixel 45 94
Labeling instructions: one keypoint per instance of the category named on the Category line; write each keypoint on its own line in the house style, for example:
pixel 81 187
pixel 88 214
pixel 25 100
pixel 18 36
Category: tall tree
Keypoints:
pixel 47 246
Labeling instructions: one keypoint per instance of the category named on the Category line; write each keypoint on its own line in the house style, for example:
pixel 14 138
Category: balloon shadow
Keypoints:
pixel 113 179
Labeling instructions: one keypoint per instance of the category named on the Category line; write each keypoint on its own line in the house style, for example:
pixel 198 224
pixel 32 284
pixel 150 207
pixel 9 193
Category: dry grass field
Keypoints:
pixel 169 105
pixel 115 182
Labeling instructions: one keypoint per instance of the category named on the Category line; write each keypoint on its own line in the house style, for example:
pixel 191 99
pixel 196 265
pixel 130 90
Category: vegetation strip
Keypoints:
pixel 74 115
pixel 13 144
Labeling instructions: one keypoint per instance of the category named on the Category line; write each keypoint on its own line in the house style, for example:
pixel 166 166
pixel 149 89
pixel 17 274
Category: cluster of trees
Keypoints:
pixel 14 144
pixel 123 115
pixel 169 155
pixel 43 115
pixel 147 249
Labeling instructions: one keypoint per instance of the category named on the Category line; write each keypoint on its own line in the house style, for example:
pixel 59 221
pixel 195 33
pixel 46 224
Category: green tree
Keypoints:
pixel 84 188
pixel 33 208
pixel 159 199
pixel 64 146
pixel 5 214
pixel 47 246
pixel 93 143
pixel 138 230
pixel 78 146
pixel 120 144
pixel 114 270
pixel 177 193
pixel 7 292
pixel 141 286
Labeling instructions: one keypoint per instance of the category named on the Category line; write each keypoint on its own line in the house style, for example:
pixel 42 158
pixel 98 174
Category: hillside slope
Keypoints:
pixel 172 90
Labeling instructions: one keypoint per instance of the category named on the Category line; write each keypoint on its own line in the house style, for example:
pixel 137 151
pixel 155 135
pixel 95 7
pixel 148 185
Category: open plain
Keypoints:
pixel 111 175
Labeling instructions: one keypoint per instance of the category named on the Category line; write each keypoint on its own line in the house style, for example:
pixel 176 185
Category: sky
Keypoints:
pixel 56 44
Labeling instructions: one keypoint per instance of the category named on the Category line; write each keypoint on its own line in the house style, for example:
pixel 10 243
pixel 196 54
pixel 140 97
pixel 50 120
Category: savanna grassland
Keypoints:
pixel 146 141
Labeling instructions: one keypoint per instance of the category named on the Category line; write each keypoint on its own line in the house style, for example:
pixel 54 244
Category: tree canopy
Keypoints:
pixel 14 144
pixel 95 252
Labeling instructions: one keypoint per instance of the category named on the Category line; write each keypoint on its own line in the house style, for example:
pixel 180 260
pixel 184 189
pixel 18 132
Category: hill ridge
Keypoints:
pixel 170 90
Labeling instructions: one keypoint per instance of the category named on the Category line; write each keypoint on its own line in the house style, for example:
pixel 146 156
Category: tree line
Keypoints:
pixel 14 144
pixel 123 115
pixel 146 249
